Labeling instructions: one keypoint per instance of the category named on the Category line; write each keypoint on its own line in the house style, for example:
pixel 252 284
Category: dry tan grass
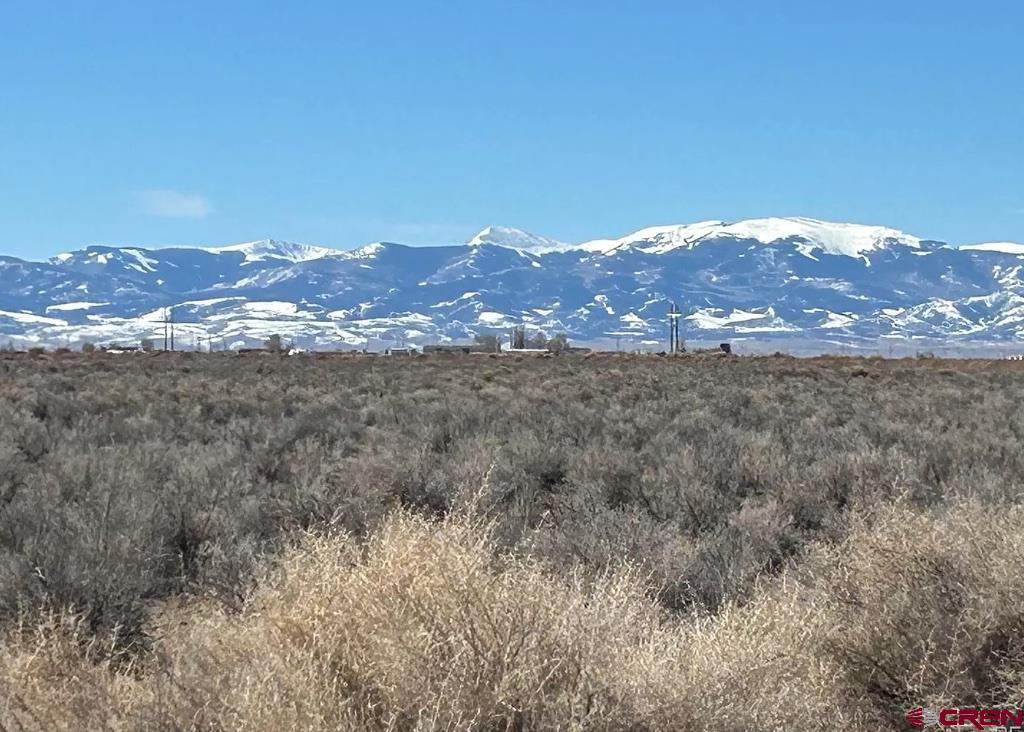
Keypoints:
pixel 427 626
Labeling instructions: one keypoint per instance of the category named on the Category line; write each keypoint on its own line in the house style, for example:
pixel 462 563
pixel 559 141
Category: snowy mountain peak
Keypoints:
pixel 850 240
pixel 833 238
pixel 506 236
pixel 368 251
pixel 98 256
pixel 657 239
pixel 258 251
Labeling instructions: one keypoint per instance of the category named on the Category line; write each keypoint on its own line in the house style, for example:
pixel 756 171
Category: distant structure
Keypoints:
pixel 517 339
pixel 538 343
pixel 675 344
pixel 517 342
pixel 457 348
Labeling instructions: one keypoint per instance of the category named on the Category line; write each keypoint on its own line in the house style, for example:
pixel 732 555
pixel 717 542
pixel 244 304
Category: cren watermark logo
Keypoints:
pixel 967 718
pixel 919 717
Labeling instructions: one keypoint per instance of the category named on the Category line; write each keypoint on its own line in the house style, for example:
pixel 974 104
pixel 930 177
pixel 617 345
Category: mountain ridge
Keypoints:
pixel 767 278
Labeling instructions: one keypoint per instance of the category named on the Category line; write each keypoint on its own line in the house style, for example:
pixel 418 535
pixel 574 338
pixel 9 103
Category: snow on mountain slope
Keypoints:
pixel 97 257
pixel 75 306
pixel 1003 247
pixel 758 278
pixel 258 251
pixel 368 251
pixel 28 319
pixel 505 236
pixel 850 240
pixel 715 319
pixel 658 239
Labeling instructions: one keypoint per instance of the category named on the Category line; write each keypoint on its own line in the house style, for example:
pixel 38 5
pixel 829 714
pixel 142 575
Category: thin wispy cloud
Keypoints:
pixel 174 204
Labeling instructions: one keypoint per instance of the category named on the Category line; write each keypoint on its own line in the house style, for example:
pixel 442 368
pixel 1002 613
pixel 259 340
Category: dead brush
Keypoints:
pixel 430 626
pixel 656 544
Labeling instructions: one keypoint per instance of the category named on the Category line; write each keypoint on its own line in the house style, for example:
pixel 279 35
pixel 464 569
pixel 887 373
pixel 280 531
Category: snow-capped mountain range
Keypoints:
pixel 792 278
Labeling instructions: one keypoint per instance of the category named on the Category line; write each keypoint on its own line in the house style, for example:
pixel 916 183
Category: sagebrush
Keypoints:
pixel 274 542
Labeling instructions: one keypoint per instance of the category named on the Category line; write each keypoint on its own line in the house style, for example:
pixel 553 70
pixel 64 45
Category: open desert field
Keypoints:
pixel 261 542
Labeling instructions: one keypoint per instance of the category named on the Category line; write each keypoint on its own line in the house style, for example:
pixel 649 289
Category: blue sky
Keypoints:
pixel 341 123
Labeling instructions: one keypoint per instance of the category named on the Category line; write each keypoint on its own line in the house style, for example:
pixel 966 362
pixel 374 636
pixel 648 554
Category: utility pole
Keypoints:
pixel 671 329
pixel 680 343
pixel 675 345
